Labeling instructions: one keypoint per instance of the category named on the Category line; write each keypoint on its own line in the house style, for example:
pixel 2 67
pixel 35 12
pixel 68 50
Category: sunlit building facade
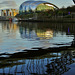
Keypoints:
pixel 9 12
pixel 36 6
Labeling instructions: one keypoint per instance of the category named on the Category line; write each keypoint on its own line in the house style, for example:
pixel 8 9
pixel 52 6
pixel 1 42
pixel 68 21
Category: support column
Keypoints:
pixel 12 12
pixel 1 12
pixel 7 12
pixel 4 12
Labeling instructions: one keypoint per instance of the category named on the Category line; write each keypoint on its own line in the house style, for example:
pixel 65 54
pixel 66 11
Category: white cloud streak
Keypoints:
pixel 8 4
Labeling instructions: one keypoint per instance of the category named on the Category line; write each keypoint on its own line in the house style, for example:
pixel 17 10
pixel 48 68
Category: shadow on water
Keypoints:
pixel 56 63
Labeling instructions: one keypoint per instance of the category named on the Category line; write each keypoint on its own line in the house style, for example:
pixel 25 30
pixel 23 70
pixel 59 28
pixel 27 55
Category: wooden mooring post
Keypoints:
pixel 73 42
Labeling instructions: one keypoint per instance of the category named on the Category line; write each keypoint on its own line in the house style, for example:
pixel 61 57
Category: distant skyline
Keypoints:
pixel 4 4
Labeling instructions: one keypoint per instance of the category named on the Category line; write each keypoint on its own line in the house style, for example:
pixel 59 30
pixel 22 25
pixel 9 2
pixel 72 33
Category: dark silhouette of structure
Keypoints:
pixel 46 66
pixel 74 1
pixel 73 42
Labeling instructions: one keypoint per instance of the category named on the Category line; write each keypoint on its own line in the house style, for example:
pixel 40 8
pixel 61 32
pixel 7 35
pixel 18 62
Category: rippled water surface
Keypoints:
pixel 15 37
pixel 57 63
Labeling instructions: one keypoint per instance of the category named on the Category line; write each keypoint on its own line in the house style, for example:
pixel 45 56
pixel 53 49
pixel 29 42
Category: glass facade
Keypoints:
pixel 35 6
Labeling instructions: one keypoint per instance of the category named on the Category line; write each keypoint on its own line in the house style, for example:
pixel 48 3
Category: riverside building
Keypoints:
pixel 9 12
pixel 35 6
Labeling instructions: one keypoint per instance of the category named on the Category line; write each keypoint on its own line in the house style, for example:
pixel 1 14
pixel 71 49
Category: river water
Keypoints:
pixel 15 37
pixel 18 36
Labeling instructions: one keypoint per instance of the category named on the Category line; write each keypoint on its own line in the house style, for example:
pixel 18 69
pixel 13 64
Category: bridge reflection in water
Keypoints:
pixel 44 66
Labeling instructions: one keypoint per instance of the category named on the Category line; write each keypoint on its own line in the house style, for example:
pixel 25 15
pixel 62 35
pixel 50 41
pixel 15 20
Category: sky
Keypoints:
pixel 4 4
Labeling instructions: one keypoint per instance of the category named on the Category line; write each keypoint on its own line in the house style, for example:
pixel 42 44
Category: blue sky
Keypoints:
pixel 16 3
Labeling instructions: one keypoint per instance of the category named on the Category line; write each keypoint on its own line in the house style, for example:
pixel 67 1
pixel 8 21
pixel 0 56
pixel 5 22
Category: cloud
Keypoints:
pixel 8 4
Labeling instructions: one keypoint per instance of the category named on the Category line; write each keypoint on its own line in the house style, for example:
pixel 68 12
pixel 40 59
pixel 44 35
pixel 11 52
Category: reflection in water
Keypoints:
pixel 59 66
pixel 33 32
pixel 19 36
pixel 48 34
pixel 24 35
pixel 44 66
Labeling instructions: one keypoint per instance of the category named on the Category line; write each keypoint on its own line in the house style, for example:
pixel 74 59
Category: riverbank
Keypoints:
pixel 42 20
pixel 50 20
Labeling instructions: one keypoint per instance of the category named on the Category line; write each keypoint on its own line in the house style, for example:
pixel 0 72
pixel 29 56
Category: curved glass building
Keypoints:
pixel 36 6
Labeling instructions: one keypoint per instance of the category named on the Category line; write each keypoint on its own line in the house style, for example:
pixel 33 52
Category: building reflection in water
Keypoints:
pixel 9 26
pixel 27 32
pixel 45 66
pixel 45 30
pixel 10 29
pixel 23 35
pixel 31 30
pixel 48 34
